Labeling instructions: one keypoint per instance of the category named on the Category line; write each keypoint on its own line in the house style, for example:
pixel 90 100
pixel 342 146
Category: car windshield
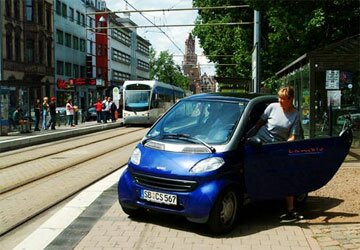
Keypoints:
pixel 210 122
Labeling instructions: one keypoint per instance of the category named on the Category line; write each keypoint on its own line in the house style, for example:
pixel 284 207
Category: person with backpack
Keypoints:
pixel 113 109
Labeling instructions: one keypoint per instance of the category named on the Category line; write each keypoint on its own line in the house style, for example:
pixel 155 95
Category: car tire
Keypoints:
pixel 225 211
pixel 301 199
pixel 134 212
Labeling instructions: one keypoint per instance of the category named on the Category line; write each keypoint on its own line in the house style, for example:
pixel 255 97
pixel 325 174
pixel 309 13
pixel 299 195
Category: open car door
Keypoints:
pixel 277 170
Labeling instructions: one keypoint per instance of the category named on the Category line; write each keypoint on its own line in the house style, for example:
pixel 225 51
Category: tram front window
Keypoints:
pixel 137 100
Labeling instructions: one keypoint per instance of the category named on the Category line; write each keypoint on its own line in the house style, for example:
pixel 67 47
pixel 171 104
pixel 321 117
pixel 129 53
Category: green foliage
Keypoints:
pixel 164 69
pixel 289 29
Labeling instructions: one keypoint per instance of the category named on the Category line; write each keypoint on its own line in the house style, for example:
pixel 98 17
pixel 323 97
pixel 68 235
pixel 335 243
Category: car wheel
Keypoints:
pixel 134 212
pixel 225 212
pixel 301 199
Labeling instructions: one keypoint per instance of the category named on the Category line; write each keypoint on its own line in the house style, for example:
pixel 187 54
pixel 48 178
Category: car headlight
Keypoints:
pixel 136 156
pixel 208 164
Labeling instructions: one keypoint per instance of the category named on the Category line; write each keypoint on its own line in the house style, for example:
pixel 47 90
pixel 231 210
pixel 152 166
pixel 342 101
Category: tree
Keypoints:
pixel 164 69
pixel 288 30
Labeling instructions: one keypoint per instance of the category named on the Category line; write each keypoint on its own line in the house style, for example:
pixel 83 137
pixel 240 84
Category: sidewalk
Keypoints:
pixel 18 140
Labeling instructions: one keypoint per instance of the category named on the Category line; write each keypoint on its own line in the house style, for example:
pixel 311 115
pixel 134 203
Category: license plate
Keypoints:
pixel 158 197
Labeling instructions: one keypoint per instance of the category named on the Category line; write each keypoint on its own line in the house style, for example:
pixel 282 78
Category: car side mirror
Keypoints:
pixel 254 141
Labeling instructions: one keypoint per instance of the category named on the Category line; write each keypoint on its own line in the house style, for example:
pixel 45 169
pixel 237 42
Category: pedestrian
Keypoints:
pixel 98 109
pixel 113 109
pixel 52 109
pixel 37 111
pixel 70 113
pixel 17 117
pixel 103 109
pixel 281 122
pixel 108 109
pixel 45 110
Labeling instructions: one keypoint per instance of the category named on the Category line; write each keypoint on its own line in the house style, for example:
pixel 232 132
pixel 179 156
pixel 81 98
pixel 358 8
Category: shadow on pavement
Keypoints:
pixel 254 217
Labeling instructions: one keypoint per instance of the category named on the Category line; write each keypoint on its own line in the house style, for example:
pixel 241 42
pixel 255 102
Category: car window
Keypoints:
pixel 210 121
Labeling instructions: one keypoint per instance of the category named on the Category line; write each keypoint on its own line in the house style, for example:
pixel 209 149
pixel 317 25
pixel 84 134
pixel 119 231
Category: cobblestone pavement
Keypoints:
pixel 337 236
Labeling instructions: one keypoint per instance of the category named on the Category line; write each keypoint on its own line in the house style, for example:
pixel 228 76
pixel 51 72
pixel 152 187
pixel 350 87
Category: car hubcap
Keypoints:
pixel 227 213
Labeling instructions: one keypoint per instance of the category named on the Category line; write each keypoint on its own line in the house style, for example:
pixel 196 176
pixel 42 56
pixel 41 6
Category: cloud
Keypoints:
pixel 177 34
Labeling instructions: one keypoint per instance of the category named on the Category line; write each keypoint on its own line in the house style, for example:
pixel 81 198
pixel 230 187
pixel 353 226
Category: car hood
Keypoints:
pixel 168 164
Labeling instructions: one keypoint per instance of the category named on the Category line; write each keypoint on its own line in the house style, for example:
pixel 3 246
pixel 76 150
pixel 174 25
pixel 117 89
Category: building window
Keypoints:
pixel 75 43
pixel 40 13
pixel 83 20
pixel 71 14
pixel 68 40
pixel 82 45
pixel 59 37
pixel 76 71
pixel 78 17
pixel 121 37
pixel 17 9
pixel 30 51
pixel 68 69
pixel 64 10
pixel 41 52
pixel 143 65
pixel 120 56
pixel 60 67
pixel 49 53
pixel 8 8
pixel 82 71
pixel 91 22
pixel 48 19
pixel 90 46
pixel 29 10
pixel 120 76
pixel 9 45
pixel 17 46
pixel 143 48
pixel 58 7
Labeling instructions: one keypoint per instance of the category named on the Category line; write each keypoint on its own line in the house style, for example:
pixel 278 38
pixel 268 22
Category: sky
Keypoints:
pixel 177 34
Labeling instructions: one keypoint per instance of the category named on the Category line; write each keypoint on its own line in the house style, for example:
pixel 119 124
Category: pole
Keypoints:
pixel 257 46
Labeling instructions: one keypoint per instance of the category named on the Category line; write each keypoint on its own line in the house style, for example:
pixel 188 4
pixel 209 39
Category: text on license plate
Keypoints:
pixel 158 197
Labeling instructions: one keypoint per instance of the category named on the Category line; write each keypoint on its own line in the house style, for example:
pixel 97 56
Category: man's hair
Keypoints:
pixel 286 92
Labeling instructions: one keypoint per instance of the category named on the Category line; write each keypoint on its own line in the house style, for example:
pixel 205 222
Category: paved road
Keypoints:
pixel 102 224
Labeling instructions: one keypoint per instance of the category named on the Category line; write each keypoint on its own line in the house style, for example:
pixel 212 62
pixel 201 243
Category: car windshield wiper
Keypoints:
pixel 188 138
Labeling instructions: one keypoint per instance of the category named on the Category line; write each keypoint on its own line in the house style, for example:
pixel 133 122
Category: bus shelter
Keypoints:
pixel 327 87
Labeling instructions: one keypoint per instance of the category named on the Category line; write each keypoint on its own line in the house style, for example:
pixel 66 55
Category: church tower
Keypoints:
pixel 190 67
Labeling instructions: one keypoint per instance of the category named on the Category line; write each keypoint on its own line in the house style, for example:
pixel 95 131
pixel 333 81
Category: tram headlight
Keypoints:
pixel 136 156
pixel 208 164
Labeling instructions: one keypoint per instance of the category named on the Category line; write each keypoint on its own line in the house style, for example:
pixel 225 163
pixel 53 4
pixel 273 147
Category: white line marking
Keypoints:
pixel 51 228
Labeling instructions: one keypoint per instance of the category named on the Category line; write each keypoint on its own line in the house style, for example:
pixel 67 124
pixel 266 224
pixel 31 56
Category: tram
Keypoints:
pixel 144 101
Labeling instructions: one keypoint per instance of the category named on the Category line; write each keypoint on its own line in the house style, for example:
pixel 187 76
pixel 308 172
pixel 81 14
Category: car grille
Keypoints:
pixel 164 183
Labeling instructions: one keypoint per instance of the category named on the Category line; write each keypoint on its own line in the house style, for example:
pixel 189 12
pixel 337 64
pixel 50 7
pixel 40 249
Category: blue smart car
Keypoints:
pixel 196 161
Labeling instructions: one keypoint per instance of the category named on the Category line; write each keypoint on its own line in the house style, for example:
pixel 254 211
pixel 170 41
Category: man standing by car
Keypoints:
pixel 52 109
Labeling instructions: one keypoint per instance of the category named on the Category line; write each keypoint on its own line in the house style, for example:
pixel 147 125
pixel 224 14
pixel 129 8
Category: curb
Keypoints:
pixel 22 142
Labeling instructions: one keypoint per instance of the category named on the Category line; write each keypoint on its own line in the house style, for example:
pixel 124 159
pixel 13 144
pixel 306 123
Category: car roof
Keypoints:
pixel 234 97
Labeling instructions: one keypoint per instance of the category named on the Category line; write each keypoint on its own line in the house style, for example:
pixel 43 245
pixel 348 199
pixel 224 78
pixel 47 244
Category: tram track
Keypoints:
pixel 31 195
pixel 11 158
pixel 40 167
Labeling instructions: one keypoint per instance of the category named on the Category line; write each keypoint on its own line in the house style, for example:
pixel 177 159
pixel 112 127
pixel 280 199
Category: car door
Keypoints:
pixel 277 170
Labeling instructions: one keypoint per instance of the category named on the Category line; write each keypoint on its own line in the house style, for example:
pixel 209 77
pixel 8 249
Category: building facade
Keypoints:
pixel 129 53
pixel 27 65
